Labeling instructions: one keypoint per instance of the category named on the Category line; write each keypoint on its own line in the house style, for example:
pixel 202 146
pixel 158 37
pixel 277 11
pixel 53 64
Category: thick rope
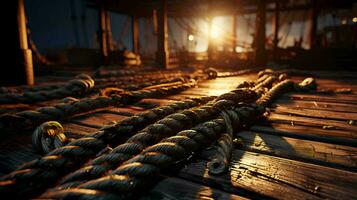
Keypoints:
pixel 219 162
pixel 168 126
pixel 51 167
pixel 70 155
pixel 124 85
pixel 26 120
pixel 76 87
pixel 138 172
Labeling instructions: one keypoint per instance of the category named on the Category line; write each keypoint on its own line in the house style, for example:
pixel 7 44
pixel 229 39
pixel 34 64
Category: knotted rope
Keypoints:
pixel 52 166
pixel 77 87
pixel 48 136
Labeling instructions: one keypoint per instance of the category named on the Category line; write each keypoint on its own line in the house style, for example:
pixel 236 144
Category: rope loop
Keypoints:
pixel 48 136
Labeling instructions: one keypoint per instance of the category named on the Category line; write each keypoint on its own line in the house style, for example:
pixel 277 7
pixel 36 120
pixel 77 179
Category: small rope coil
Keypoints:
pixel 211 73
pixel 48 136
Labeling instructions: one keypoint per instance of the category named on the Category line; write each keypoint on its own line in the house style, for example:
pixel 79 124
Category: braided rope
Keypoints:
pixel 124 85
pixel 29 119
pixel 138 172
pixel 135 144
pixel 170 125
pixel 33 173
pixel 52 166
pixel 76 87
pixel 220 160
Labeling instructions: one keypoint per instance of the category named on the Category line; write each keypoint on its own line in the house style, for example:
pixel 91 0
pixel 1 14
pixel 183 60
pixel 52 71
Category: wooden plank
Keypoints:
pixel 317 105
pixel 176 188
pixel 98 119
pixel 180 97
pixel 15 150
pixel 77 131
pixel 159 102
pixel 298 149
pixel 312 122
pixel 125 111
pixel 322 98
pixel 309 133
pixel 277 178
pixel 324 114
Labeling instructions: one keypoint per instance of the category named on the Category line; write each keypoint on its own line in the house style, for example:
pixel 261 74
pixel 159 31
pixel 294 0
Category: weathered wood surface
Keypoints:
pixel 277 178
pixel 176 188
pixel 305 149
pixel 299 149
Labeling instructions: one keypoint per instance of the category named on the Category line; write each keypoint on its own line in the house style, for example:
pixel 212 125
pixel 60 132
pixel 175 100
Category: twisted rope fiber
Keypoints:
pixel 138 172
pixel 32 177
pixel 168 126
pixel 150 135
pixel 26 120
pixel 142 84
pixel 135 79
pixel 111 73
pixel 142 76
pixel 77 87
pixel 219 162
pixel 50 160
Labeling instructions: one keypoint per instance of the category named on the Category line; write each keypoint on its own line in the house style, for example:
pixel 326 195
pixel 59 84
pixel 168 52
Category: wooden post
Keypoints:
pixel 276 29
pixel 260 51
pixel 135 32
pixel 210 43
pixel 162 56
pixel 110 46
pixel 313 28
pixel 234 32
pixel 22 71
pixel 103 35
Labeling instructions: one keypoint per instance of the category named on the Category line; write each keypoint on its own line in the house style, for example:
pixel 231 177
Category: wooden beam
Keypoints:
pixel 234 32
pixel 313 26
pixel 162 56
pixel 103 35
pixel 22 72
pixel 135 32
pixel 109 32
pixel 260 51
pixel 210 43
pixel 276 29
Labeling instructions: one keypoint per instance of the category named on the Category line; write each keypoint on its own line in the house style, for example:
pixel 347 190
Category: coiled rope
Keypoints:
pixel 77 87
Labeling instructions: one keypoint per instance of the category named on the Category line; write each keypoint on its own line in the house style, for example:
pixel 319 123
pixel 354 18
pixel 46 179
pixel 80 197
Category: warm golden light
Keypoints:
pixel 239 49
pixel 214 32
pixel 354 19
pixel 191 37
